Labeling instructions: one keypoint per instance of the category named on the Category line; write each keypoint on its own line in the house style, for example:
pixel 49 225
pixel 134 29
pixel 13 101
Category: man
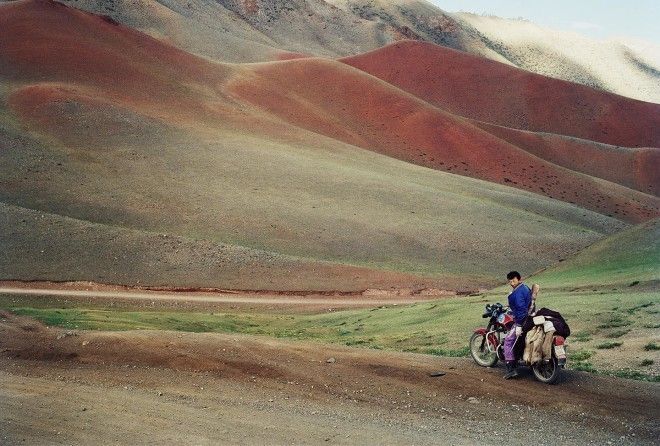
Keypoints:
pixel 520 301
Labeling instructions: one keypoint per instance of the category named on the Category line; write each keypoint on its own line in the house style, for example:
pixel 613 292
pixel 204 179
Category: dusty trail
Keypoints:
pixel 205 299
pixel 211 388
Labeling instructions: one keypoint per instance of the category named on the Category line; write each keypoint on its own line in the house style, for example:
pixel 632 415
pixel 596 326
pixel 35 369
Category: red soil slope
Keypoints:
pixel 83 119
pixel 493 92
pixel 338 101
pixel 42 40
pixel 637 168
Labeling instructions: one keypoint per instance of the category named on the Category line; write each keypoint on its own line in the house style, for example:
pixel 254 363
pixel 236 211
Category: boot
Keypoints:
pixel 511 370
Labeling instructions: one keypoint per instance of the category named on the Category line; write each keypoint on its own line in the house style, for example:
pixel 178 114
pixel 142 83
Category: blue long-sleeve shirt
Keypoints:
pixel 519 302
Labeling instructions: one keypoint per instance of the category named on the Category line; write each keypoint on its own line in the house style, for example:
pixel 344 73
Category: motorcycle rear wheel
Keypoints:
pixel 547 372
pixel 481 355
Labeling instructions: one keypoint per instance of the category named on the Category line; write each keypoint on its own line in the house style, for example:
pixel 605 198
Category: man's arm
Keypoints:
pixel 532 302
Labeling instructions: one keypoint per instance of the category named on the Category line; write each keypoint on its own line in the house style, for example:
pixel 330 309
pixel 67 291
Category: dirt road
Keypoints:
pixel 64 387
pixel 120 296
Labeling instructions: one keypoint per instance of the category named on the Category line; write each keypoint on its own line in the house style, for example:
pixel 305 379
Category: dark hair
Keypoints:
pixel 513 274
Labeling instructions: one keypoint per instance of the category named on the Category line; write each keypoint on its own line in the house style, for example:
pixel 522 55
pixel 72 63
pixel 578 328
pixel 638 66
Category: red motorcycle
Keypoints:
pixel 487 345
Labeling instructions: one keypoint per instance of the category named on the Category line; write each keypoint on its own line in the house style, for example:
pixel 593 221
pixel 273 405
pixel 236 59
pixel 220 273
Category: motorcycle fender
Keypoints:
pixel 481 331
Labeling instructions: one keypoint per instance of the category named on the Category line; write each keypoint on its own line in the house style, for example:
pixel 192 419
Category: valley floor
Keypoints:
pixel 161 387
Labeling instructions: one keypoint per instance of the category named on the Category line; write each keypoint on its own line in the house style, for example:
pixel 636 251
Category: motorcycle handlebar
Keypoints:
pixel 494 309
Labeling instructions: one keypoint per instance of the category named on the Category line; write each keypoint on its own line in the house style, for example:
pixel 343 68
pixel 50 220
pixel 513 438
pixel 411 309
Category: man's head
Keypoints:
pixel 514 278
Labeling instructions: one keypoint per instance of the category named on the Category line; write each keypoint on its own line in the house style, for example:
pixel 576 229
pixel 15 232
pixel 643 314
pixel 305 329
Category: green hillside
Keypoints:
pixel 629 258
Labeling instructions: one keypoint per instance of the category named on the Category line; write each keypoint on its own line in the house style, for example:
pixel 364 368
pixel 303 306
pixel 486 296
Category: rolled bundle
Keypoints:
pixel 547 343
pixel 531 339
pixel 537 346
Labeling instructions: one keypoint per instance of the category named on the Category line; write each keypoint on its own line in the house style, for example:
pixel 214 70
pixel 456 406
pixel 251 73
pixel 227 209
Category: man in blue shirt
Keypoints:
pixel 520 301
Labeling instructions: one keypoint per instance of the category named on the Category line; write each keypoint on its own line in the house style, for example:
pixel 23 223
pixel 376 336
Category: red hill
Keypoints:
pixel 637 168
pixel 493 92
pixel 335 100
pixel 42 40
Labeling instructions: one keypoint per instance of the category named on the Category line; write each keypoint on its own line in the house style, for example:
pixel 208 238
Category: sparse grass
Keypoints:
pixel 465 351
pixel 615 320
pixel 625 373
pixel 582 336
pixel 581 355
pixel 441 327
pixel 65 318
pixel 635 374
pixel 583 367
pixel 609 345
pixel 133 320
pixel 639 307
pixel 617 333
pixel 356 342
pixel 423 327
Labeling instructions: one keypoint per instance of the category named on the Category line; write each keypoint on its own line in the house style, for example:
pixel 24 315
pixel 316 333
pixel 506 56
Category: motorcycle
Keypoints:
pixel 487 345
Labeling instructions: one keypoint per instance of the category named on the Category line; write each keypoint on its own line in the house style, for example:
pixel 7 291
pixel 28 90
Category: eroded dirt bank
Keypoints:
pixel 69 387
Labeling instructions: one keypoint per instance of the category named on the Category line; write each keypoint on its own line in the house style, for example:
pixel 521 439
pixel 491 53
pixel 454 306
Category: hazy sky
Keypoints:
pixel 594 18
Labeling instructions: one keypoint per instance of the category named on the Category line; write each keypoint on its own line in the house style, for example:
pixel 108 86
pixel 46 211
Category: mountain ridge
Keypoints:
pixel 263 30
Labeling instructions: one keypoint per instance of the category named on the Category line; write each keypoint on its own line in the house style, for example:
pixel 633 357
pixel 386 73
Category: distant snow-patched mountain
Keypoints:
pixel 626 67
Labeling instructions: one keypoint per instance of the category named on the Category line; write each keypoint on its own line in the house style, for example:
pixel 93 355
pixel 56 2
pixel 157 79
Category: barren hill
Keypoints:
pixel 493 92
pixel 328 98
pixel 111 138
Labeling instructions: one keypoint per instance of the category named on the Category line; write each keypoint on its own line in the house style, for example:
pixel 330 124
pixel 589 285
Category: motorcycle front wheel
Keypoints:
pixel 546 372
pixel 480 353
